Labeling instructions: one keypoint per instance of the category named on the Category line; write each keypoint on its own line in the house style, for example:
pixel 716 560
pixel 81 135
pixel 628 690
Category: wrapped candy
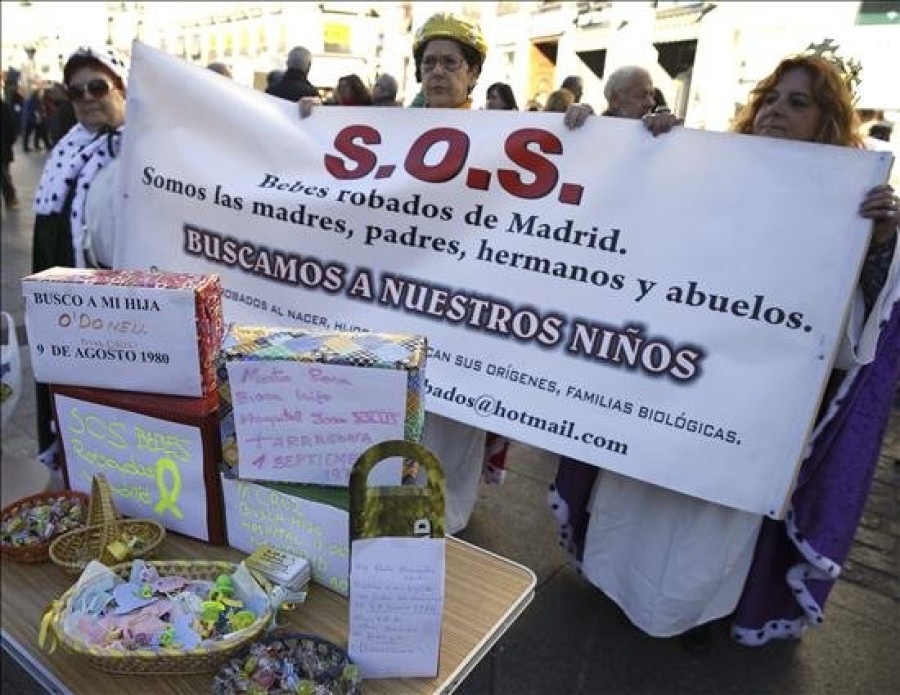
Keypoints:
pixel 295 664
pixel 37 522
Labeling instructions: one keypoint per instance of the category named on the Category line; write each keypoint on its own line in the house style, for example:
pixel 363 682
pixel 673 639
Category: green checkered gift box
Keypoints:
pixel 299 401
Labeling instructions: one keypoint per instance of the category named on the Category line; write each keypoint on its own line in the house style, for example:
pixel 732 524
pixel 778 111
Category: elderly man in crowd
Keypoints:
pixel 294 84
pixel 629 93
pixel 384 91
pixel 221 69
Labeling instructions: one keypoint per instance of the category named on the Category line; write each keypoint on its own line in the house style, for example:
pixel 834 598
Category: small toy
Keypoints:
pixel 167 637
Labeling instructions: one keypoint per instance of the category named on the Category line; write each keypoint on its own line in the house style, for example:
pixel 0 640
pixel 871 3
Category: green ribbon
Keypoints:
pixel 168 497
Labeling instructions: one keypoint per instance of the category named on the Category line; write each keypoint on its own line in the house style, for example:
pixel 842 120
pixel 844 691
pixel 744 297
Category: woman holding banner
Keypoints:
pixel 449 52
pixel 673 562
pixel 95 81
pixel 798 560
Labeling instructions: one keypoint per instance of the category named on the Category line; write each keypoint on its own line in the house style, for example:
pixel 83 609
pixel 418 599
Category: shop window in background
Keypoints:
pixel 245 41
pixel 181 47
pixel 229 44
pixel 213 47
pixel 337 37
pixel 282 39
pixel 196 49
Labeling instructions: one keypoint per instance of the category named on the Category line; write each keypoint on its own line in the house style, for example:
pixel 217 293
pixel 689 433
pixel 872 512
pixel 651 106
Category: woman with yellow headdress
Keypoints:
pixel 449 52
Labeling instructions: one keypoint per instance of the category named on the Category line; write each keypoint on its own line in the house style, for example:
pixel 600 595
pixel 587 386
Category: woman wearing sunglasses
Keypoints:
pixel 75 179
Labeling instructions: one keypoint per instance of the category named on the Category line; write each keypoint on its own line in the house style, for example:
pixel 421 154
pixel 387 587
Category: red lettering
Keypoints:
pixel 545 173
pixel 453 161
pixel 345 142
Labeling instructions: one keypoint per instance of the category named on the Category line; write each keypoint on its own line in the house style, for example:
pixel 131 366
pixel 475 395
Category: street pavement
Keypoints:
pixel 572 640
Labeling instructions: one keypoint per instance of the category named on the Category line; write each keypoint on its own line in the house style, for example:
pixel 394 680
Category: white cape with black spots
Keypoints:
pixel 75 161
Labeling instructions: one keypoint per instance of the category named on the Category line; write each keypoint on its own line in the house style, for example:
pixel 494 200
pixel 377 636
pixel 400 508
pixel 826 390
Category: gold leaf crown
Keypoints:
pixel 850 69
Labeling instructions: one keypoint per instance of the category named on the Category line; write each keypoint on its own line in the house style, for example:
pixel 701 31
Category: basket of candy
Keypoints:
pixel 106 537
pixel 31 523
pixel 290 662
pixel 164 617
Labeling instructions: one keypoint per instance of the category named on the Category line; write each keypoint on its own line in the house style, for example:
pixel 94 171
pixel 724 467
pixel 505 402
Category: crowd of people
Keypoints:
pixel 41 119
pixel 673 563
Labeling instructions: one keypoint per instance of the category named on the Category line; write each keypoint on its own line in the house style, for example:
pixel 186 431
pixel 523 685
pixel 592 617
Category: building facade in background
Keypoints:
pixel 705 56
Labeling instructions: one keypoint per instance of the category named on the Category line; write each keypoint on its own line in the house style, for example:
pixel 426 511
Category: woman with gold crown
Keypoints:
pixel 449 52
pixel 674 562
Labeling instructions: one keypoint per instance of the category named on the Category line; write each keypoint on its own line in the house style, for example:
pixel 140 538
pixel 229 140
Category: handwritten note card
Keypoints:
pixel 396 606
pixel 309 422
pixel 319 532
pixel 154 467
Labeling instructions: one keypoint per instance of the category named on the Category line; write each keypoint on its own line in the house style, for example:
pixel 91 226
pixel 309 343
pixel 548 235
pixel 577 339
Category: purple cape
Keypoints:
pixel 797 560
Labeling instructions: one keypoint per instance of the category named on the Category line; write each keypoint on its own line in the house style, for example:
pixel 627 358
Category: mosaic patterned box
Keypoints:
pixel 159 454
pixel 127 330
pixel 288 406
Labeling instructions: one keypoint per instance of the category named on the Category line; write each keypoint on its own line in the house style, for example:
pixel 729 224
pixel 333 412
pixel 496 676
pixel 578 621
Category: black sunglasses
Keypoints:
pixel 98 88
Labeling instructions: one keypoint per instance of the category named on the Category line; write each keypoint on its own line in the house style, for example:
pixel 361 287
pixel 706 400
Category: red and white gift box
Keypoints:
pixel 129 330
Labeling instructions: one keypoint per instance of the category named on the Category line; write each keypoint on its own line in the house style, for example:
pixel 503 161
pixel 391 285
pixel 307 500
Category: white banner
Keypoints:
pixel 665 307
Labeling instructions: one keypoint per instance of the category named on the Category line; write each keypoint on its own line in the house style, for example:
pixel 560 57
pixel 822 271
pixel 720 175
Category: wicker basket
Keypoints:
pixel 36 552
pixel 103 509
pixel 163 661
pixel 74 550
pixel 331 660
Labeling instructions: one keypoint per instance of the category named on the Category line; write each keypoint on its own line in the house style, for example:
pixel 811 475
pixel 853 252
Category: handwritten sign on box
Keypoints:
pixel 154 467
pixel 309 422
pixel 319 532
pixel 127 330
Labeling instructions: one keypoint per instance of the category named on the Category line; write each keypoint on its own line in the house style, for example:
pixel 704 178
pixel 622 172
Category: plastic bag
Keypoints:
pixel 11 370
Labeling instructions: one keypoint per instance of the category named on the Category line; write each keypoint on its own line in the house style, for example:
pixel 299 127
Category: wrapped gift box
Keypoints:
pixel 308 520
pixel 128 330
pixel 159 454
pixel 301 406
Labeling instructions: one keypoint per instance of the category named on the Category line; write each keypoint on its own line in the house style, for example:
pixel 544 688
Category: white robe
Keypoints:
pixel 103 215
pixel 673 562
pixel 670 561
pixel 460 449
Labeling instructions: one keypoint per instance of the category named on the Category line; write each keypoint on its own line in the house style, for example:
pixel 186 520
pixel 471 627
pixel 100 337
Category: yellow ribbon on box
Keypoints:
pixel 168 497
